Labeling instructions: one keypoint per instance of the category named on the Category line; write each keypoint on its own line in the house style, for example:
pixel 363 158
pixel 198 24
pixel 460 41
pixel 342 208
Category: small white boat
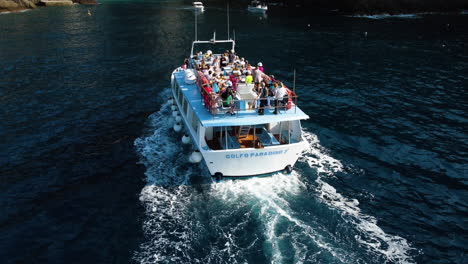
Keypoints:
pixel 234 140
pixel 257 7
pixel 198 6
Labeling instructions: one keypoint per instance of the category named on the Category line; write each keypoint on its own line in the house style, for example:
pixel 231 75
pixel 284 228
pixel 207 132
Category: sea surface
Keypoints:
pixel 91 172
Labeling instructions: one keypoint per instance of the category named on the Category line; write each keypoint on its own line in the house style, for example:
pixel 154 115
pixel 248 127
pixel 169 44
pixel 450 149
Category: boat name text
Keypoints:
pixel 255 154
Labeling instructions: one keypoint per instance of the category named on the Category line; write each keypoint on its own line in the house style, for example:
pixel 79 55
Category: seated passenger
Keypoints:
pixel 242 63
pixel 215 102
pixel 216 62
pixel 228 101
pixel 234 79
pixel 248 78
pixel 215 87
pixel 208 53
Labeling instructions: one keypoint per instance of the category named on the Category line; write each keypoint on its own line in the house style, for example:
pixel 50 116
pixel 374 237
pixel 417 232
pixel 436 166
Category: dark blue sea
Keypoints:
pixel 91 172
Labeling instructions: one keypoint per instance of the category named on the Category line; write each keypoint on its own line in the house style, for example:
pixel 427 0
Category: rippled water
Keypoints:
pixel 91 171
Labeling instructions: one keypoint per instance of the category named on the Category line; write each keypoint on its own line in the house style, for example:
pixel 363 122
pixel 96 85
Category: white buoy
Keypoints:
pixel 186 139
pixel 173 107
pixel 365 34
pixel 195 157
pixel 177 127
pixel 171 101
pixel 174 113
pixel 178 118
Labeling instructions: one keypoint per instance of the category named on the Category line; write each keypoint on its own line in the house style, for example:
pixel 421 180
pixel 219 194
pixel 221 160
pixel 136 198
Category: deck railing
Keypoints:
pixel 208 101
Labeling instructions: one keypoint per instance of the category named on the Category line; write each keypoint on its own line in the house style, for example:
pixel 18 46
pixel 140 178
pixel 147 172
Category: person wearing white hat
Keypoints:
pixel 232 56
pixel 260 67
pixel 242 63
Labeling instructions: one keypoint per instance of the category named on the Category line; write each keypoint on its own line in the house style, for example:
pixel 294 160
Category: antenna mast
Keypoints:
pixel 294 91
pixel 196 37
pixel 228 18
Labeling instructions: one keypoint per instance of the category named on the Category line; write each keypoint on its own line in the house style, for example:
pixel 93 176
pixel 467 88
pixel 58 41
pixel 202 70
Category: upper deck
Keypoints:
pixel 244 115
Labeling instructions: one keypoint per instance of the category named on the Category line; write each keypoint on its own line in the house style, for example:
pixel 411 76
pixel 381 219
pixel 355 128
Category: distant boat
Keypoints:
pixel 257 7
pixel 198 6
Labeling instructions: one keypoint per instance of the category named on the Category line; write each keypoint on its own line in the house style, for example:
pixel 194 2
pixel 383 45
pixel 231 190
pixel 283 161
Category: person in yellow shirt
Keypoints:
pixel 248 78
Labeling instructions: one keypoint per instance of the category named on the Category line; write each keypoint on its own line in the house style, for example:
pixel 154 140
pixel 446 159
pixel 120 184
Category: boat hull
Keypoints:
pixel 253 162
pixel 257 10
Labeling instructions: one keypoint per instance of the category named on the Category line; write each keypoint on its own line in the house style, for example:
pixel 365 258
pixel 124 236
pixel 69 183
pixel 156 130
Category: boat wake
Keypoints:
pixel 277 219
pixel 394 248
pixel 385 16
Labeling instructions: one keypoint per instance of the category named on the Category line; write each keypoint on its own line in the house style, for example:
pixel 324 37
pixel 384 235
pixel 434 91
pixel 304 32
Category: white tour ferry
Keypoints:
pixel 257 7
pixel 234 140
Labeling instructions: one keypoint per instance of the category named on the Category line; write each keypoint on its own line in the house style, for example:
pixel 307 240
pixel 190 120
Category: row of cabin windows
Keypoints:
pixel 184 104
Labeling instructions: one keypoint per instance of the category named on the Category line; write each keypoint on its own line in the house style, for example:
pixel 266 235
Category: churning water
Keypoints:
pixel 91 170
pixel 287 218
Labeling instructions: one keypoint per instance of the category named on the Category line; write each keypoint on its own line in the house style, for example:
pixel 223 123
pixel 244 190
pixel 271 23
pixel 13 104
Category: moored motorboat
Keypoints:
pixel 198 6
pixel 257 7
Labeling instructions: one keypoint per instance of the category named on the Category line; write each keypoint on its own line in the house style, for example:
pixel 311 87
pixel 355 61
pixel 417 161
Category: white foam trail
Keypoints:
pixel 161 151
pixel 172 226
pixel 13 12
pixel 394 248
pixel 268 194
pixel 384 16
pixel 167 225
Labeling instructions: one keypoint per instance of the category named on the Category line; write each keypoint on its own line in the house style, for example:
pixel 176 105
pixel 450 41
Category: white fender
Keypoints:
pixel 174 113
pixel 186 139
pixel 177 127
pixel 195 157
pixel 173 107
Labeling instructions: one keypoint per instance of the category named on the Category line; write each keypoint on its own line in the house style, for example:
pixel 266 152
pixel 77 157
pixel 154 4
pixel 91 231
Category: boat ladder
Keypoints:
pixel 244 131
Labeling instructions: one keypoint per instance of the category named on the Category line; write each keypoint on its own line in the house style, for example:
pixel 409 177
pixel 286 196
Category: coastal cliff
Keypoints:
pixel 18 5
pixel 378 6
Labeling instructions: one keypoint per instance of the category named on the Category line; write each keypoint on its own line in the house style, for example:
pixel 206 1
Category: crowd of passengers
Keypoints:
pixel 224 72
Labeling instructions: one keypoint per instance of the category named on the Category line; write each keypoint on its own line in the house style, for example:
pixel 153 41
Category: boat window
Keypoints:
pixel 194 122
pixel 180 96
pixel 185 107
pixel 176 88
pixel 183 103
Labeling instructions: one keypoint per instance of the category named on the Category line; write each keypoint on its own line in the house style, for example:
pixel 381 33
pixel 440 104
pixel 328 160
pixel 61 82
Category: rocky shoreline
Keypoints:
pixel 347 7
pixel 21 5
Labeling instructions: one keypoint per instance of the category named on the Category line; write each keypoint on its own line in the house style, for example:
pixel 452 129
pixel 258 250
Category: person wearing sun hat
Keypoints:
pixel 248 77
pixel 260 67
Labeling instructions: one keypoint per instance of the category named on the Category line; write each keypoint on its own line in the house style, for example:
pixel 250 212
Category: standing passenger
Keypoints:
pixel 257 78
pixel 279 97
pixel 232 56
pixel 262 96
pixel 260 66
